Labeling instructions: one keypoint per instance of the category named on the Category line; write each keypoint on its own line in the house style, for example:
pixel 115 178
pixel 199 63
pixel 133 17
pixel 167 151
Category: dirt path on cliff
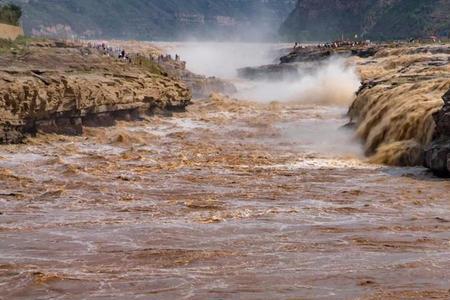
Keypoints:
pixel 230 200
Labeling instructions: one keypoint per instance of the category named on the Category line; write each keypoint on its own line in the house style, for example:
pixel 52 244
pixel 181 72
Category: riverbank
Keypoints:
pixel 60 87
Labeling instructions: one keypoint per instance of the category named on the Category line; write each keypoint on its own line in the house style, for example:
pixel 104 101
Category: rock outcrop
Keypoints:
pixel 147 54
pixel 315 53
pixel 60 89
pixel 269 72
pixel 305 59
pixel 437 154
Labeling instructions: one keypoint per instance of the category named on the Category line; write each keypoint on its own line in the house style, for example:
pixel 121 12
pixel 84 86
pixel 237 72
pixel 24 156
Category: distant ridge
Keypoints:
pixel 155 19
pixel 315 20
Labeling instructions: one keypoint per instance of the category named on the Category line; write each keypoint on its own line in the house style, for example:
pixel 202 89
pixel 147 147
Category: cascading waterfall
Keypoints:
pixel 395 121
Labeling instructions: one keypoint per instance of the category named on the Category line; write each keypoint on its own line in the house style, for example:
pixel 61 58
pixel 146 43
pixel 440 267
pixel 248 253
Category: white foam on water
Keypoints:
pixel 326 163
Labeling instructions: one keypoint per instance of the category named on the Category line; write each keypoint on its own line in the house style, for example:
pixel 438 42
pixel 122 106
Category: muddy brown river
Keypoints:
pixel 230 200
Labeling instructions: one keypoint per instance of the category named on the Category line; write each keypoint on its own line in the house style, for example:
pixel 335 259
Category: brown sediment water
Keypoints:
pixel 399 119
pixel 229 200
pixel 394 111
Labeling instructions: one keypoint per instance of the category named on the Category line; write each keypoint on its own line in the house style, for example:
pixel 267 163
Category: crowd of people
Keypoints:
pixel 115 52
pixel 121 54
pixel 166 58
pixel 339 44
pixel 334 45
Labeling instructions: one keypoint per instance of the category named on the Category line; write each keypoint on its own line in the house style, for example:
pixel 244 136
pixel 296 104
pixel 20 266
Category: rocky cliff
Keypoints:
pixel 316 20
pixel 155 19
pixel 437 154
pixel 59 88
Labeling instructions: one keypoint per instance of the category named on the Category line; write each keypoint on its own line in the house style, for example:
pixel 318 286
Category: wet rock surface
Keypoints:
pixel 269 72
pixel 56 88
pixel 437 154
pixel 442 117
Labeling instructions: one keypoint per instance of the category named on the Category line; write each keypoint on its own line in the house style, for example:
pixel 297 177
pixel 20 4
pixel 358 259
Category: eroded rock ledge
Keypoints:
pixel 61 88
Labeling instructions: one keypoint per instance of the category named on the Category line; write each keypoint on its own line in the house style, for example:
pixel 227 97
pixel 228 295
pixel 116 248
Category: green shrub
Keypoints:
pixel 16 46
pixel 10 14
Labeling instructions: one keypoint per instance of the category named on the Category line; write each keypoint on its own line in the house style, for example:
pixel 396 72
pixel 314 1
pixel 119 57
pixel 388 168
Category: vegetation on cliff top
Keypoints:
pixel 17 46
pixel 10 14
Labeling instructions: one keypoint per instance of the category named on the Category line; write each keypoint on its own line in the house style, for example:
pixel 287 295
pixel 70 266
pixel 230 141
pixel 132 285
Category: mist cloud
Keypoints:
pixel 331 83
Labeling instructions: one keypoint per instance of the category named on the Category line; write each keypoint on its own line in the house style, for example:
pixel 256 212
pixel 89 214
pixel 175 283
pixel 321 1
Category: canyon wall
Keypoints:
pixel 155 19
pixel 316 20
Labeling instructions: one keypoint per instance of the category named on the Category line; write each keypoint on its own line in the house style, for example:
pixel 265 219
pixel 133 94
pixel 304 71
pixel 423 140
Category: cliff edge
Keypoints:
pixel 59 88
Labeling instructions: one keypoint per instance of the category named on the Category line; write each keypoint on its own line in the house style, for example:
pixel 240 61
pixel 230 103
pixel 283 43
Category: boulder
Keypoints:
pixel 437 154
pixel 269 72
pixel 442 117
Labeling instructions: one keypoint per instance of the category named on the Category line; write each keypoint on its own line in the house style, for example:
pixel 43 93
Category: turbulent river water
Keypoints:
pixel 245 198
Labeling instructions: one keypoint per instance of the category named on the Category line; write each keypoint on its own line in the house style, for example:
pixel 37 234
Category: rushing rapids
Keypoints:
pixel 396 120
pixel 393 110
pixel 233 198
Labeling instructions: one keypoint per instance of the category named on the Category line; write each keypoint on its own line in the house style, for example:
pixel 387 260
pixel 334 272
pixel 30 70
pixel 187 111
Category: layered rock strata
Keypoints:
pixel 60 89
